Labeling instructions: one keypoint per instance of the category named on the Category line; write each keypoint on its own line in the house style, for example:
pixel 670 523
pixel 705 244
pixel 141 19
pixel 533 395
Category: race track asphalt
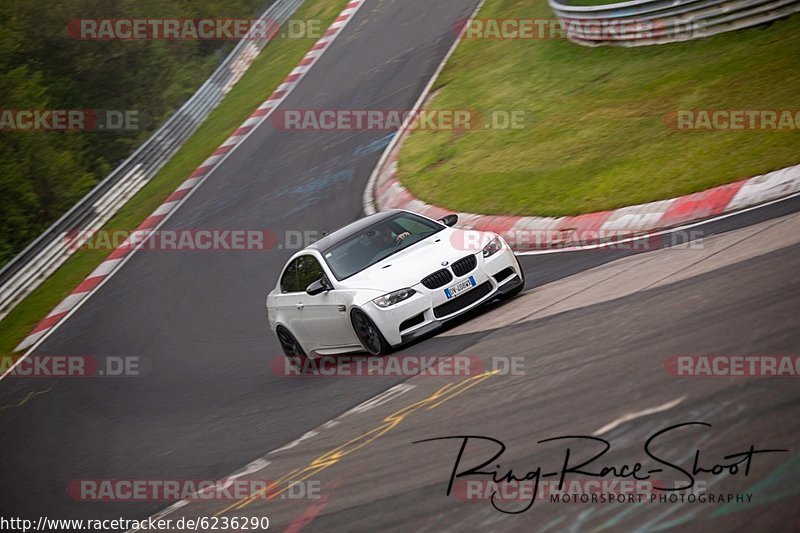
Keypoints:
pixel 209 402
pixel 584 370
pixel 591 357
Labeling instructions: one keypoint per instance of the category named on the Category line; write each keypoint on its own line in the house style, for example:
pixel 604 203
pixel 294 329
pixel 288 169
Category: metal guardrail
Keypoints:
pixel 647 22
pixel 52 248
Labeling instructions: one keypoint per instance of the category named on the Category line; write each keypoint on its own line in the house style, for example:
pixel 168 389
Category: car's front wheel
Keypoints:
pixel 368 333
pixel 291 348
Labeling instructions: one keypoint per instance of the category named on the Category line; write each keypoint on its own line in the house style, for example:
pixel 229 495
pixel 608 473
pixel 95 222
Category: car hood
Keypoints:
pixel 407 267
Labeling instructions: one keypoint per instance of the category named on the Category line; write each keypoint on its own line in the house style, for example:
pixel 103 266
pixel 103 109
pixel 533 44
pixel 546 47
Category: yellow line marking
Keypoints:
pixel 24 400
pixel 332 457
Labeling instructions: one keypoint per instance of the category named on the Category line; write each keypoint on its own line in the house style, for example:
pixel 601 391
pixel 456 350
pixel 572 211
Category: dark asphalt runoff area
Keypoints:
pixel 208 402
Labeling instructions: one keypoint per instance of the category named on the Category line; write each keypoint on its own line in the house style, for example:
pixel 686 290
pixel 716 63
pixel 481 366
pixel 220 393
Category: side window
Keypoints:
pixel 289 279
pixel 308 271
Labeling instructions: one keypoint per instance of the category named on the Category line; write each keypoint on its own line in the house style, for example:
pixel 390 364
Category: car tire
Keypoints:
pixel 368 333
pixel 291 348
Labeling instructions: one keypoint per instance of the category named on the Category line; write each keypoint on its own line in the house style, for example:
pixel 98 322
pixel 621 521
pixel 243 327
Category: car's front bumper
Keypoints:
pixel 433 325
pixel 429 309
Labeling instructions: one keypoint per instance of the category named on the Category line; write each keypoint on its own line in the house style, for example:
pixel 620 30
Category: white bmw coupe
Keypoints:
pixel 385 280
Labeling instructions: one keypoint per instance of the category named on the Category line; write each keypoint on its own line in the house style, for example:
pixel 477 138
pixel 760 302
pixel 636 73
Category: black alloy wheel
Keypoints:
pixel 368 333
pixel 291 348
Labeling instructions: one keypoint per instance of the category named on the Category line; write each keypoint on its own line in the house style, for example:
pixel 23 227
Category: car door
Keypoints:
pixel 324 315
pixel 287 302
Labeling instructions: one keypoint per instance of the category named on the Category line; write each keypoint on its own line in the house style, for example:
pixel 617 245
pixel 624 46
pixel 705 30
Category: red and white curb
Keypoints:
pixel 524 233
pixel 119 256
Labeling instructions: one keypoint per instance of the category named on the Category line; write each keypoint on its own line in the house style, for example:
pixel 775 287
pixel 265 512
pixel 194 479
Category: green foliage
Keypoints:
pixel 42 174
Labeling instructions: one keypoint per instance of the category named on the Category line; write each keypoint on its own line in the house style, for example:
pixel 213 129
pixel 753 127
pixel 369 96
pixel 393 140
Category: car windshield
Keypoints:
pixel 352 255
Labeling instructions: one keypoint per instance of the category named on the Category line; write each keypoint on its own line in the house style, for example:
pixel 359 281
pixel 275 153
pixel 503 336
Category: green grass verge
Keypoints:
pixel 595 137
pixel 266 73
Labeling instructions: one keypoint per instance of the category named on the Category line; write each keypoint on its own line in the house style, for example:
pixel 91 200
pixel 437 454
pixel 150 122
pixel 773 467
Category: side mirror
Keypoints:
pixel 449 220
pixel 318 287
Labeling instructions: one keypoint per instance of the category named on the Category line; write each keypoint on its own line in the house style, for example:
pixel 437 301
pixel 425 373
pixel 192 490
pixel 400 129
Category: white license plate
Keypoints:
pixel 460 287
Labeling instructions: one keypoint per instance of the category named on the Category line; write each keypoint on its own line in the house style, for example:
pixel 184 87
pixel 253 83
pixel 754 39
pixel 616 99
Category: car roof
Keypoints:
pixel 352 229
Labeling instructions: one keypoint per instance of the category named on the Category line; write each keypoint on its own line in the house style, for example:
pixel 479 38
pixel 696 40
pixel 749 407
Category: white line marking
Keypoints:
pixel 631 416
pixel 296 442
pixel 382 398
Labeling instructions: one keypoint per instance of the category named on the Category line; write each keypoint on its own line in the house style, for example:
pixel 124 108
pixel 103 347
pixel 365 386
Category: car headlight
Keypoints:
pixel 394 297
pixel 494 246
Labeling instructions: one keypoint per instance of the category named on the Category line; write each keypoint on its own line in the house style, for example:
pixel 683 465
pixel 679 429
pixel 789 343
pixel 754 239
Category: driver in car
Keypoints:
pixel 387 236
